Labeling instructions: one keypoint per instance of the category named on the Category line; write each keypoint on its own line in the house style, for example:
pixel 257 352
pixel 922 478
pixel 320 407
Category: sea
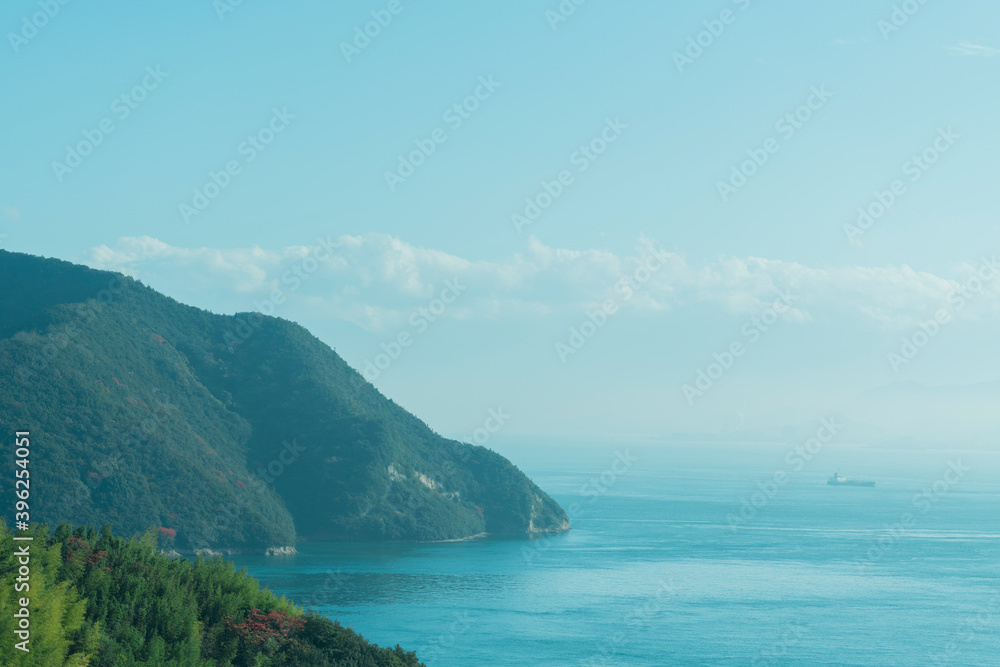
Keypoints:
pixel 694 554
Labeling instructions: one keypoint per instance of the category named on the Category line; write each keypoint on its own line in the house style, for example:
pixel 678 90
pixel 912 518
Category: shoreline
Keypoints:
pixel 477 536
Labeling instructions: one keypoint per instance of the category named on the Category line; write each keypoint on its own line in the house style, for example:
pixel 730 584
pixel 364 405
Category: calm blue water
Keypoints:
pixel 653 574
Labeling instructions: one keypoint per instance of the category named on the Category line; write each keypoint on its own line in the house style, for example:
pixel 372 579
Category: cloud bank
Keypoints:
pixel 965 48
pixel 377 280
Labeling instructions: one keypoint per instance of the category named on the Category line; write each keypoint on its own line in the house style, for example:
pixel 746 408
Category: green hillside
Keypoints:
pixel 234 432
pixel 99 600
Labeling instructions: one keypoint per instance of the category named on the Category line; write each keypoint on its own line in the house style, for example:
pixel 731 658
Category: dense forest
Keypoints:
pixel 232 433
pixel 100 600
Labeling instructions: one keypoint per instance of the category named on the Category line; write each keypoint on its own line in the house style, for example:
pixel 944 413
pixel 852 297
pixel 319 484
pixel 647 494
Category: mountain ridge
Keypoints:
pixel 268 432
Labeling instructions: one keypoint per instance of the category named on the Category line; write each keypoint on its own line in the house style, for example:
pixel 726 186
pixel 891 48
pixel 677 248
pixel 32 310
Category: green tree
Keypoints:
pixel 58 636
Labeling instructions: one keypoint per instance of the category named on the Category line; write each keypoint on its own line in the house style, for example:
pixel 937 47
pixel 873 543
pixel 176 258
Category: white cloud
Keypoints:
pixel 966 48
pixel 246 269
pixel 376 281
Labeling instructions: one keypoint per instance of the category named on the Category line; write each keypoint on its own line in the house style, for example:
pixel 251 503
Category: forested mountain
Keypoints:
pixel 100 600
pixel 227 432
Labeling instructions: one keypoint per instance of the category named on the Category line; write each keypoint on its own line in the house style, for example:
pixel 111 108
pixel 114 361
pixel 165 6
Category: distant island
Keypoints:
pixel 228 434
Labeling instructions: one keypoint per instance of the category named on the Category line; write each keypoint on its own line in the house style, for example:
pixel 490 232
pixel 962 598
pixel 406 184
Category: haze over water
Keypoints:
pixel 653 572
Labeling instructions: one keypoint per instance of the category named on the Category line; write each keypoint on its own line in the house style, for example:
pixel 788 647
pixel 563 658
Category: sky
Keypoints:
pixel 609 220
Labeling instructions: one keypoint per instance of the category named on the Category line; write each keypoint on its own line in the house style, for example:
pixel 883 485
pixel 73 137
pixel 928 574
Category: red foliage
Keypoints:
pixel 169 533
pixel 259 628
pixel 77 549
pixel 79 552
pixel 241 484
pixel 96 557
pixel 159 339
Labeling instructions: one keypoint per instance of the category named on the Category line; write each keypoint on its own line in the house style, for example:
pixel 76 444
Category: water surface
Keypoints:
pixel 661 569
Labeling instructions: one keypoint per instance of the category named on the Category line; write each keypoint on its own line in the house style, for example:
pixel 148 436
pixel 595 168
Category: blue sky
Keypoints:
pixel 221 76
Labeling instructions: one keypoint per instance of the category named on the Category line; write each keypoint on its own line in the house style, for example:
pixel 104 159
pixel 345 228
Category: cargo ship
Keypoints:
pixel 839 480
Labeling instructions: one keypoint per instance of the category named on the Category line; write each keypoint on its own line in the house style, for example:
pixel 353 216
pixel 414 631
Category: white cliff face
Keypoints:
pixel 212 553
pixel 399 474
pixel 396 476
pixel 209 553
pixel 532 528
pixel 280 551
